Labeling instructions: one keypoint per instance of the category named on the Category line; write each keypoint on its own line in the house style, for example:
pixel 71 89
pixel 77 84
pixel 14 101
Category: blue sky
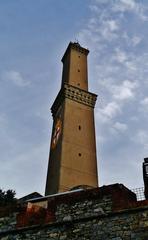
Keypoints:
pixel 33 37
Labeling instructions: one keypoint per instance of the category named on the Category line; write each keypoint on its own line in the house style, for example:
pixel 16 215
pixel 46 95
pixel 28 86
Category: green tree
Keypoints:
pixel 2 197
pixel 7 197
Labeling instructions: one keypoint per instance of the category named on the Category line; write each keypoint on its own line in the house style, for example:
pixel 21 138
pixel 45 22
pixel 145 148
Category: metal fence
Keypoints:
pixel 139 193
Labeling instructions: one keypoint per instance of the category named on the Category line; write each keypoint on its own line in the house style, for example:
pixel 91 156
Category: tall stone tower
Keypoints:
pixel 72 159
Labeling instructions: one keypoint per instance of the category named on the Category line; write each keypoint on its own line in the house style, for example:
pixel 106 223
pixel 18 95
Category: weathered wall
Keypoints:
pixel 90 216
pixel 8 223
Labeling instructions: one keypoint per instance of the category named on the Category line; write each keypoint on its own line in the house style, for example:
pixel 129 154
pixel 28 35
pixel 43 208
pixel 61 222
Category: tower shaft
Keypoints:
pixel 72 159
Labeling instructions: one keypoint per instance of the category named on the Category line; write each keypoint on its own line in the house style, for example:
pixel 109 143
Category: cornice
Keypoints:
pixel 74 94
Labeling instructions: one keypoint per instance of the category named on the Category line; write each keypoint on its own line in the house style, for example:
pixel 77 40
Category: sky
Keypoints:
pixel 34 35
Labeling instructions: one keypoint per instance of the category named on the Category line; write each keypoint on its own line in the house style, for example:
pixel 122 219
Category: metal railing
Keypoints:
pixel 139 193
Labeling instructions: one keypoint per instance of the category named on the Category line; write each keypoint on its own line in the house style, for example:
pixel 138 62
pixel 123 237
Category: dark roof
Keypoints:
pixel 30 196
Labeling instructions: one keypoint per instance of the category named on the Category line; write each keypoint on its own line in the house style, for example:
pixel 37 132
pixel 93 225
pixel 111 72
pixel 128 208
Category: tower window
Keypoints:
pixel 79 127
pixel 79 56
pixel 78 84
pixel 80 154
pixel 78 70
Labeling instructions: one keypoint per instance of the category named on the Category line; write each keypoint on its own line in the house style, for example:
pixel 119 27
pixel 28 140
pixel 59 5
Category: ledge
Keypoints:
pixel 75 94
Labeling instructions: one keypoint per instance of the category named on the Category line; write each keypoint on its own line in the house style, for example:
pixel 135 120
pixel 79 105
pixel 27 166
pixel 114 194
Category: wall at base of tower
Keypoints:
pixel 106 213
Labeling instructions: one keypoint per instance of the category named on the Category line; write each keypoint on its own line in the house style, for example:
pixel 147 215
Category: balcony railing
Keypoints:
pixel 139 193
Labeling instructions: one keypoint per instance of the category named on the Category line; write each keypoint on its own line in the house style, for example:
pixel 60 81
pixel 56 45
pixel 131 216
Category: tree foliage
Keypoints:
pixel 7 197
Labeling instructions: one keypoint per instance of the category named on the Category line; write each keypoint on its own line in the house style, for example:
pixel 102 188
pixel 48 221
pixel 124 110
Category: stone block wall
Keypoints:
pixel 8 222
pixel 97 214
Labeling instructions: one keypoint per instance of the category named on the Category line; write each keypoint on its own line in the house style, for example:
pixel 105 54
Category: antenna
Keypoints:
pixel 76 41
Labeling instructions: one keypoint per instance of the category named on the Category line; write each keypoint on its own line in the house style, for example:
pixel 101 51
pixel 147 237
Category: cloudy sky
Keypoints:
pixel 33 37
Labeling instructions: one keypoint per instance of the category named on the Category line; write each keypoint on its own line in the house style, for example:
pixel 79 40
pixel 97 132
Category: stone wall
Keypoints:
pixel 99 214
pixel 8 222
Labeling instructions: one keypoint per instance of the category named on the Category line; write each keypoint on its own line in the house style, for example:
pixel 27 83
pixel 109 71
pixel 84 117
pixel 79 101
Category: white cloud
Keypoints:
pixel 136 40
pixel 112 24
pixel 144 102
pixel 144 105
pixel 132 41
pixel 128 60
pixel 108 29
pixel 111 109
pixel 16 78
pixel 131 66
pixel 125 91
pixel 121 127
pixel 141 137
pixel 120 56
pixel 131 6
pixel 94 8
pixel 109 112
pixel 127 5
